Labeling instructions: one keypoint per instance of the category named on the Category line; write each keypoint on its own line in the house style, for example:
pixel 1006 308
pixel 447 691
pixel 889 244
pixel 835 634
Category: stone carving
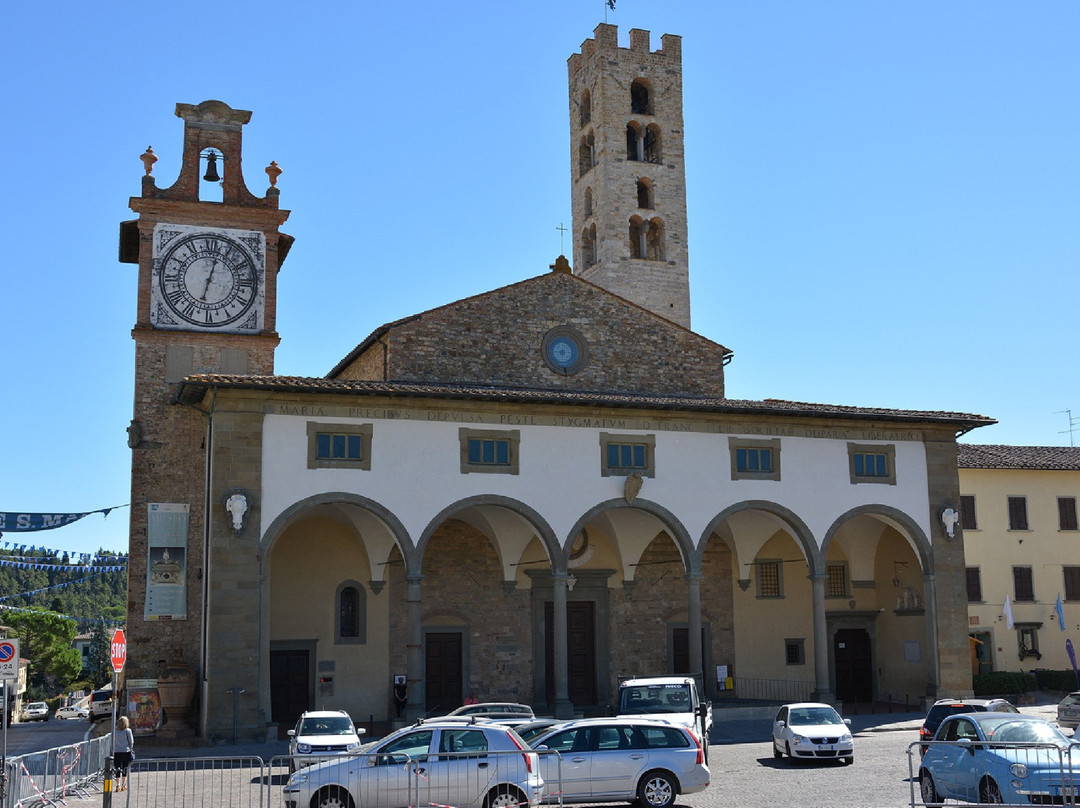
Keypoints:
pixel 237 507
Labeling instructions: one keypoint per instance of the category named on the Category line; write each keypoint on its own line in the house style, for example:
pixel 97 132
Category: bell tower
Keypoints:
pixel 627 168
pixel 208 253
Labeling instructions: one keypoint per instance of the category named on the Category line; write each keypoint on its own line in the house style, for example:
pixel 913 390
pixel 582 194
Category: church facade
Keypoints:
pixel 523 495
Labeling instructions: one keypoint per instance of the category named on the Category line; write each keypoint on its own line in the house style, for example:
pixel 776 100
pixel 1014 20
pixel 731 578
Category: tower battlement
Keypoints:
pixel 606 40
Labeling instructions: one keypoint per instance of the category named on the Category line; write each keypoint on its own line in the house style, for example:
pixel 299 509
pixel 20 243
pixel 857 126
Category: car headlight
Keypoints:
pixel 798 739
pixel 1019 770
pixel 352 747
pixel 303 748
pixel 297 778
pixel 845 738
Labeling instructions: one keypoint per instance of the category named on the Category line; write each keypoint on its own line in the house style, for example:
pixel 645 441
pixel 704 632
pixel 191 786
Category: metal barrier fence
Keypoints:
pixel 1004 773
pixel 55 775
pixel 778 690
pixel 241 782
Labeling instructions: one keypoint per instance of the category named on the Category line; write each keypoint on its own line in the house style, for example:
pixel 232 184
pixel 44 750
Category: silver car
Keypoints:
pixel 608 759
pixel 439 763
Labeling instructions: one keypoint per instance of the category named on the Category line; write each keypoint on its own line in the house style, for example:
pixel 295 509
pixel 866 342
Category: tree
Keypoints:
pixel 45 639
pixel 99 657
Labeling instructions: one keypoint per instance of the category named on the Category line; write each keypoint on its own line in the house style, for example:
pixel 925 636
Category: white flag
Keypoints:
pixel 1007 611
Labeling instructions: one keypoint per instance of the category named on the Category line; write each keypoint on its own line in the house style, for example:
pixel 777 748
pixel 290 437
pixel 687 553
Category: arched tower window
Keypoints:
pixel 638 241
pixel 640 98
pixel 588 245
pixel 651 145
pixel 586 108
pixel 645 194
pixel 586 154
pixel 633 141
pixel 350 619
pixel 654 247
pixel 588 202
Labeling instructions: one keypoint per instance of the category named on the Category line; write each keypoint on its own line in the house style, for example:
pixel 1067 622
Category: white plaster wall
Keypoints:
pixel 415 473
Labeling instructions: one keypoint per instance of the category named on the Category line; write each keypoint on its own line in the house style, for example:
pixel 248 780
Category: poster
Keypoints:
pixel 166 563
pixel 144 706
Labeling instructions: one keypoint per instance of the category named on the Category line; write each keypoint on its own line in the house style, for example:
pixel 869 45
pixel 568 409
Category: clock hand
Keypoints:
pixel 209 278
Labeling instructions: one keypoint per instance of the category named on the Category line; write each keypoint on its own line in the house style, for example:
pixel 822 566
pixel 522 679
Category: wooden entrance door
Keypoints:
pixel 854 665
pixel 290 687
pixel 442 667
pixel 580 651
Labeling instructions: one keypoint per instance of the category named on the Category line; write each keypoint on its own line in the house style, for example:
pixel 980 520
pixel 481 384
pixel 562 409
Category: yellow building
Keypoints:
pixel 1022 544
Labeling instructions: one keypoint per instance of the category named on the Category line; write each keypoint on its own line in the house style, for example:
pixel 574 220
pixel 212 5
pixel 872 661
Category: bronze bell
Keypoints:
pixel 211 174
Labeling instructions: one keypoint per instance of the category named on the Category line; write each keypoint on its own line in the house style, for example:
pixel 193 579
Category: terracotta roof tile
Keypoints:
pixel 1047 458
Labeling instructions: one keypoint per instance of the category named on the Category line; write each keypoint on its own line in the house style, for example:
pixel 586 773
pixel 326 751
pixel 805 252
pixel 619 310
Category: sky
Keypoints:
pixel 883 196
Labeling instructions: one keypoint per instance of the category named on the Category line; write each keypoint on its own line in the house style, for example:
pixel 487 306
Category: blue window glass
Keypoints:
pixel 335 446
pixel 322 443
pixel 751 460
pixel 626 455
pixel 489 452
pixel 870 465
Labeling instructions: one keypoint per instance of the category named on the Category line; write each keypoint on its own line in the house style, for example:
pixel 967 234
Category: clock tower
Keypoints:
pixel 208 252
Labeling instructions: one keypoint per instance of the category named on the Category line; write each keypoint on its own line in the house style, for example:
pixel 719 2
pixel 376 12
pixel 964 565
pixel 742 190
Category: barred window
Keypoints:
pixel 836 581
pixel 769 579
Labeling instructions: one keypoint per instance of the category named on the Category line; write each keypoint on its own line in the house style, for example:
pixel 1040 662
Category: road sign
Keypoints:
pixel 119 650
pixel 9 659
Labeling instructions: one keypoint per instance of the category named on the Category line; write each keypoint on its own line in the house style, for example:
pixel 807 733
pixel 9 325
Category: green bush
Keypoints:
pixel 1063 681
pixel 1003 683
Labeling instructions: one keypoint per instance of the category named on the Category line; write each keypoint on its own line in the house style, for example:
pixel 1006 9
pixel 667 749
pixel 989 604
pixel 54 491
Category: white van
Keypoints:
pixel 101 704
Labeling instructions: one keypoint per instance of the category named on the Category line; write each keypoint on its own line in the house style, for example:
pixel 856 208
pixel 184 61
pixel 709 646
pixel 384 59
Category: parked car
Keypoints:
pixel 608 759
pixel 669 698
pixel 943 708
pixel 71 711
pixel 534 728
pixel 35 711
pixel 101 704
pixel 439 763
pixel 495 709
pixel 1068 712
pixel 998 758
pixel 320 733
pixel 808 730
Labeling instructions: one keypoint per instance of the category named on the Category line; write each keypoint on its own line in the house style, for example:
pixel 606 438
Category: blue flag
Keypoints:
pixel 1060 613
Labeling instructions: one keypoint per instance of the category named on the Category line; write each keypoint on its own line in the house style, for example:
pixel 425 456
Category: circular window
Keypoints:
pixel 565 350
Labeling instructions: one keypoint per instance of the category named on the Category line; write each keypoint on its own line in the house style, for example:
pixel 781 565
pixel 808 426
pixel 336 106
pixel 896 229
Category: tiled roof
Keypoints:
pixel 193 388
pixel 1047 458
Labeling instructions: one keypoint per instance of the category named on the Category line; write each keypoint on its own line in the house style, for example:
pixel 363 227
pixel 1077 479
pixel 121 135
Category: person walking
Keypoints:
pixel 123 750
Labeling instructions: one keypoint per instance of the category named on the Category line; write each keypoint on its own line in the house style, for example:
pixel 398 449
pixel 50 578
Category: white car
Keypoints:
pixel 1068 711
pixel 649 761
pixel 320 733
pixel 434 763
pixel 71 711
pixel 35 711
pixel 812 731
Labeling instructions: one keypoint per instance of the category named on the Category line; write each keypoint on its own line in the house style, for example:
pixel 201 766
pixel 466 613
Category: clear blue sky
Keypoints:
pixel 884 197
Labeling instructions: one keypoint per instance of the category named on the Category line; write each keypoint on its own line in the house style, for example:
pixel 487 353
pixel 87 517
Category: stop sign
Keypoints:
pixel 119 650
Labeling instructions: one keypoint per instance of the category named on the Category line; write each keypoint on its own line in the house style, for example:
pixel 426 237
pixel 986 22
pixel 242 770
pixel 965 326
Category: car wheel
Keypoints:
pixel 657 790
pixel 928 790
pixel 776 753
pixel 504 797
pixel 989 792
pixel 787 746
pixel 332 797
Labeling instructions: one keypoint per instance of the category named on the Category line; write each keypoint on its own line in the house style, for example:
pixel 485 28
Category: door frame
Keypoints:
pixel 463 630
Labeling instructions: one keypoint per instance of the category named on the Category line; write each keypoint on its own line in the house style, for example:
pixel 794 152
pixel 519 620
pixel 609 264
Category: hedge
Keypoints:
pixel 1001 683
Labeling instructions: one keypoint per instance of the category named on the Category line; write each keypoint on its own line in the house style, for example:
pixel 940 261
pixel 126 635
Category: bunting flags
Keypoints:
pixel 1060 613
pixel 1007 611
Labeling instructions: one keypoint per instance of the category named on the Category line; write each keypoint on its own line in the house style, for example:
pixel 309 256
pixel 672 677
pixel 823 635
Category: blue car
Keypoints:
pixel 999 758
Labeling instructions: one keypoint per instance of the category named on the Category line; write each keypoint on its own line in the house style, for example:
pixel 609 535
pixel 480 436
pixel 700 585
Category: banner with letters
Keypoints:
pixel 166 564
pixel 15 522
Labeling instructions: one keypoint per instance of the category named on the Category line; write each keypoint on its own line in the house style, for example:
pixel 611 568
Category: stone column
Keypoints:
pixel 821 640
pixel 414 648
pixel 693 611
pixel 564 708
pixel 933 675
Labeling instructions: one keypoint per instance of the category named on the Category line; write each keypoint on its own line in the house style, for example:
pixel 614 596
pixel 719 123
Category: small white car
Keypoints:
pixel 35 711
pixel 71 711
pixel 1068 711
pixel 812 731
pixel 320 734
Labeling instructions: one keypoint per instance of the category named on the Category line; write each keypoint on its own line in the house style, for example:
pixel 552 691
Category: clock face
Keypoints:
pixel 207 279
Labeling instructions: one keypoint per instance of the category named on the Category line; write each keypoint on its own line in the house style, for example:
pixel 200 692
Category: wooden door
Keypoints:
pixel 854 665
pixel 580 651
pixel 443 676
pixel 290 686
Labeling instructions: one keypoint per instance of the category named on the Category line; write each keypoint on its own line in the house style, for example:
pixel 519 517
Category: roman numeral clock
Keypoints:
pixel 208 279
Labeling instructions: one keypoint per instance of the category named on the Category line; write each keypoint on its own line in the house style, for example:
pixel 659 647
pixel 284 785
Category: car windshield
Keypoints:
pixel 673 698
pixel 807 716
pixel 38 705
pixel 1071 700
pixel 330 725
pixel 1026 732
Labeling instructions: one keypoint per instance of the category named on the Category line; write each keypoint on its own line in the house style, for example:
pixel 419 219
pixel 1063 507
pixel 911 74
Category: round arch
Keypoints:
pixel 670 522
pixel 902 522
pixel 815 557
